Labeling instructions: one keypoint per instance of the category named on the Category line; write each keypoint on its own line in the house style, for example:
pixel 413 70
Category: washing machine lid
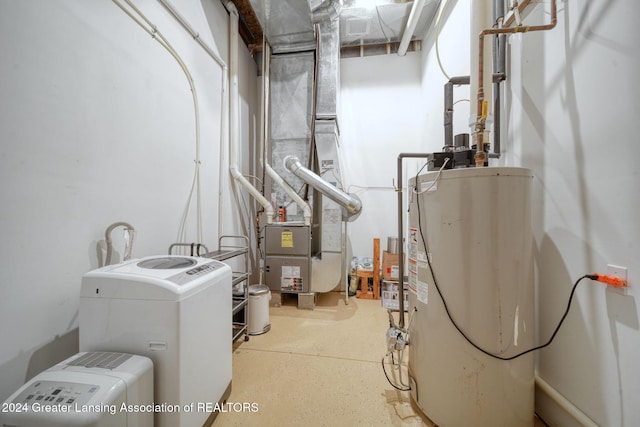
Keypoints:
pixel 165 267
pixel 166 263
pixel 155 277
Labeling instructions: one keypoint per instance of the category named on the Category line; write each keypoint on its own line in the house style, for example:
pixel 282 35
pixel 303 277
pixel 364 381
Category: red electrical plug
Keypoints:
pixel 610 280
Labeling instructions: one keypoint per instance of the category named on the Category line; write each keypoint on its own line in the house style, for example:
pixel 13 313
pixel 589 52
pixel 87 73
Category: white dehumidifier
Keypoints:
pixel 176 311
pixel 97 389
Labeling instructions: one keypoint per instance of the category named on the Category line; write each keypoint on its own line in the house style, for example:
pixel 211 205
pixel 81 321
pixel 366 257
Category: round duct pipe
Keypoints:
pixel 350 202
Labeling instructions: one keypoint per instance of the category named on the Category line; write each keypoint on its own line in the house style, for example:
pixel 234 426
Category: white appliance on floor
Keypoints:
pixel 86 390
pixel 175 310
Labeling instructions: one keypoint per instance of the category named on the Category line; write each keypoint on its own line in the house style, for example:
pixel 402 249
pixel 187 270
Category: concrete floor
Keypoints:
pixel 318 368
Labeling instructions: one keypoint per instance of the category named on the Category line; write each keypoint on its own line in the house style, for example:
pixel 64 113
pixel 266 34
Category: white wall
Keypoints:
pixel 391 105
pixel 572 95
pixel 454 56
pixel 97 126
pixel 381 114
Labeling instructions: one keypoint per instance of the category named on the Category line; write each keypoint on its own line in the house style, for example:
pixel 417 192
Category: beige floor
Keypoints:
pixel 318 368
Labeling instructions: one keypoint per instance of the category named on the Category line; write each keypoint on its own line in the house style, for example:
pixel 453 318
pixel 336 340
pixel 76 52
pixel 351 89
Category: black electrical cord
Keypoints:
pixel 453 322
pixel 391 382
pixel 541 420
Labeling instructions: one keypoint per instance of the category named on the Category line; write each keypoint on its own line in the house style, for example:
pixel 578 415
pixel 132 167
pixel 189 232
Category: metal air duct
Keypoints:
pixel 350 202
pixel 286 23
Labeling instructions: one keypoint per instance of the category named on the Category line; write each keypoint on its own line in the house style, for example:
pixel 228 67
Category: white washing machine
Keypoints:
pixel 175 310
pixel 96 389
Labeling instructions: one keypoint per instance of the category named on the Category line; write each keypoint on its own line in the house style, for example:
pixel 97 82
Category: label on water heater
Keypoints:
pixel 423 292
pixel 413 243
pixel 413 276
pixel 414 252
pixel 418 269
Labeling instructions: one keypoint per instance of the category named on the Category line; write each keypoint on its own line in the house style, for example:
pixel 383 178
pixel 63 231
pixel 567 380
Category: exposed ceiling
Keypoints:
pixel 362 23
pixel 249 26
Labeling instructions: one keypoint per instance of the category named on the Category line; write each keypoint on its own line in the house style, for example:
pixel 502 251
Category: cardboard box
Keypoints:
pixel 389 266
pixel 390 296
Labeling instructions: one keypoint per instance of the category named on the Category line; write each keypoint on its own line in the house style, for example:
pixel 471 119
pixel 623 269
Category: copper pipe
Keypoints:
pixel 480 122
pixel 511 16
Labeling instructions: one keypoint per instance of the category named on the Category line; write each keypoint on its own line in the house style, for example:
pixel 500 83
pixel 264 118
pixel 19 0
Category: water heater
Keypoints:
pixel 474 227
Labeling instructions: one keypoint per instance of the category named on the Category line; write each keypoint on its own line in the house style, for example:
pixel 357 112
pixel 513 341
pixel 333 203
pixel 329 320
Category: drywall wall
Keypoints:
pixel 569 114
pixel 97 126
pixel 454 62
pixel 381 114
pixel 391 105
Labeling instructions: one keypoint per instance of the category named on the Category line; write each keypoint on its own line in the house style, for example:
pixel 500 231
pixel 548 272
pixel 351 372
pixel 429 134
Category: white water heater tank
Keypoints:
pixel 474 225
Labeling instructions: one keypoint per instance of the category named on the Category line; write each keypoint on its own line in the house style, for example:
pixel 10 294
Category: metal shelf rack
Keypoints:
pixel 230 246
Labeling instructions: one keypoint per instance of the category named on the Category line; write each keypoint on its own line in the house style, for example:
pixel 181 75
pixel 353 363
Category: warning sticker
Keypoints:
pixel 423 292
pixel 414 248
pixel 419 270
pixel 413 243
pixel 287 239
pixel 291 279
pixel 413 276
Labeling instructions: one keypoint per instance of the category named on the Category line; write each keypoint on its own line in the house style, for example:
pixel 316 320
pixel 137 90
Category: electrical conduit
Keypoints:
pixel 194 34
pixel 234 122
pixel 224 83
pixel 153 31
pixel 223 97
pixel 412 21
pixel 562 401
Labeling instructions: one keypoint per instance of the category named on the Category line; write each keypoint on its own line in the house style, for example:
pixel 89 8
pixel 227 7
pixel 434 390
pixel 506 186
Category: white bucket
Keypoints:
pixel 258 315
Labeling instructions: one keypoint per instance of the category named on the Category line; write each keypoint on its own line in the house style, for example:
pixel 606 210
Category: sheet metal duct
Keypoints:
pixel 303 111
pixel 264 146
pixel 326 272
pixel 287 24
pixel 328 59
pixel 350 202
pixel 289 27
pixel 330 170
pixel 291 88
